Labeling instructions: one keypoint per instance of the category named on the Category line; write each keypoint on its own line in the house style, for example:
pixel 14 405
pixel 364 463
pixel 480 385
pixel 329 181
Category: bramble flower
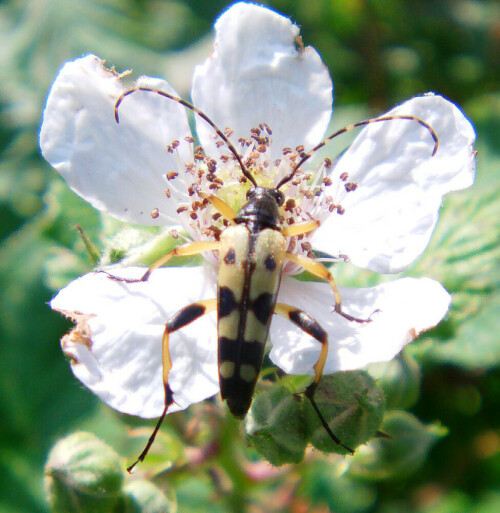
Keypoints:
pixel 377 204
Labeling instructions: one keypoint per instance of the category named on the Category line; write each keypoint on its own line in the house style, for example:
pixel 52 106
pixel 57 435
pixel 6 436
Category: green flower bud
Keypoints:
pixel 353 407
pixel 275 426
pixel 82 475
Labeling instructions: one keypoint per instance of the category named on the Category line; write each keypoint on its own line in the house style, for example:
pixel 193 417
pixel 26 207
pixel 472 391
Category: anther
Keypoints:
pixel 289 205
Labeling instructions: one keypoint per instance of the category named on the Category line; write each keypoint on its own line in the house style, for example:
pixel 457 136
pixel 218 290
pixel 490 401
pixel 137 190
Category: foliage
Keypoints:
pixel 379 53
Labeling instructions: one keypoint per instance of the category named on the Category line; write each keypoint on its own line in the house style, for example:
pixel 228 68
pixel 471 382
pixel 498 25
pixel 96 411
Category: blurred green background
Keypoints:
pixel 379 53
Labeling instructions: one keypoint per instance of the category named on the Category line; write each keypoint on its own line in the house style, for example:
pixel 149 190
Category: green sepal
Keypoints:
pixel 141 496
pixel 82 475
pixel 401 455
pixel 352 405
pixel 275 426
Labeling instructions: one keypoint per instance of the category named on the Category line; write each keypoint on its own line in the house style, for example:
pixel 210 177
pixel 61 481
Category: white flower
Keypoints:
pixel 378 204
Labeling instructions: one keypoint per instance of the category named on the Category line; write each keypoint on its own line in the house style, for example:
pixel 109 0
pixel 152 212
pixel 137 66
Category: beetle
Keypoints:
pixel 252 249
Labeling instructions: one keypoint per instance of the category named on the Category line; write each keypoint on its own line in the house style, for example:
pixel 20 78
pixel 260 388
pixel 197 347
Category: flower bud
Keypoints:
pixel 275 426
pixel 353 407
pixel 83 474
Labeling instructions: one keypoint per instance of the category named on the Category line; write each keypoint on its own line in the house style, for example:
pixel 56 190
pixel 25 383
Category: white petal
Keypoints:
pixel 390 217
pixel 256 74
pixel 406 308
pixel 118 168
pixel 116 347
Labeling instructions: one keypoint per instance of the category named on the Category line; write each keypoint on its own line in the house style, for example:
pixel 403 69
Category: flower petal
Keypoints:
pixel 117 168
pixel 256 74
pixel 389 218
pixel 115 348
pixel 406 307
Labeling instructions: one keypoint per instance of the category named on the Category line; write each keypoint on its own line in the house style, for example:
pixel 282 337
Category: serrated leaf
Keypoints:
pixel 465 250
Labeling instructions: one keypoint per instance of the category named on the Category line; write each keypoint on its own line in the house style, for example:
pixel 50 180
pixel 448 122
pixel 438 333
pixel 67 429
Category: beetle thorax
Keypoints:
pixel 262 209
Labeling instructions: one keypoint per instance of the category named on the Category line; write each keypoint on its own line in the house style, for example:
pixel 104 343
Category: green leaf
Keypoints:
pixel 476 344
pixel 399 379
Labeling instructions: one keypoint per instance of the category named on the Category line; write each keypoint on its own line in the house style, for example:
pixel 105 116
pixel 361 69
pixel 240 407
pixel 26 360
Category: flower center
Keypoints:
pixel 309 195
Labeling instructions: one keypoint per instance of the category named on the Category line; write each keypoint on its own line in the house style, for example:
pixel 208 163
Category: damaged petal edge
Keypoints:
pixel 80 334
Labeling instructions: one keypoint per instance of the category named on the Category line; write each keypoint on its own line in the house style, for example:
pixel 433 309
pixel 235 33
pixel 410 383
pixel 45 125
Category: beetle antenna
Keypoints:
pixel 202 115
pixel 309 154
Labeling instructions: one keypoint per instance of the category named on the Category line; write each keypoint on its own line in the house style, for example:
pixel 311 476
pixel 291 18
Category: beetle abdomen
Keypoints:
pixel 249 279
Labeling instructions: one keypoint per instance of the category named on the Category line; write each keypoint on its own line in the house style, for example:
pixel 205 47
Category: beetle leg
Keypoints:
pixel 299 228
pixel 191 248
pixel 310 326
pixel 221 206
pixel 182 318
pixel 319 270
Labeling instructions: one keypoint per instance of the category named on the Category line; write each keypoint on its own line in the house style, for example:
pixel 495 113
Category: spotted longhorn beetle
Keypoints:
pixel 252 249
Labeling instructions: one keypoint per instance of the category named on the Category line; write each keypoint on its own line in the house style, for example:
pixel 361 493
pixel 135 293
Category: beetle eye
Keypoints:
pixel 280 197
pixel 250 192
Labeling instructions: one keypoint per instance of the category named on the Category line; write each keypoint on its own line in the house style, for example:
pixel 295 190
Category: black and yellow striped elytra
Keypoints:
pixel 251 250
pixel 251 260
